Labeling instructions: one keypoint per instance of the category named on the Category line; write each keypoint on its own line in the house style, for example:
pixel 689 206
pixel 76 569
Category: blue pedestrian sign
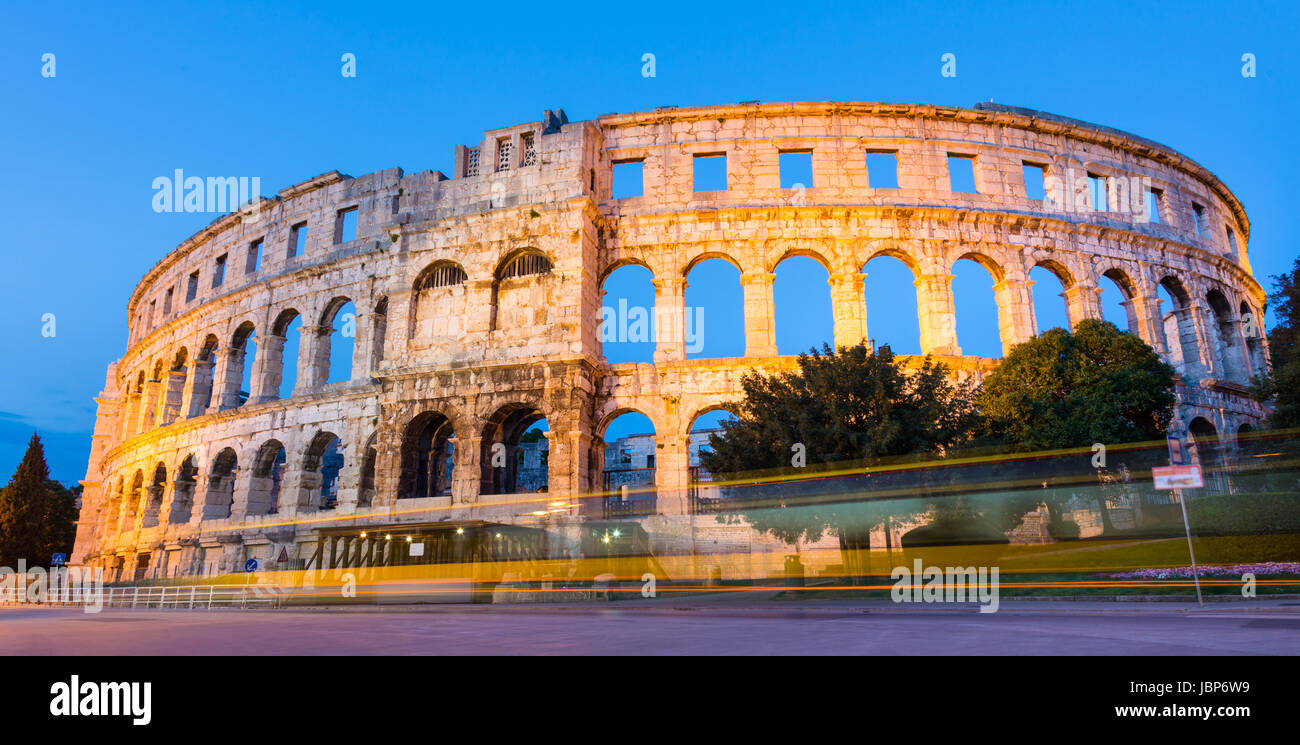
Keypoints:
pixel 250 565
pixel 58 560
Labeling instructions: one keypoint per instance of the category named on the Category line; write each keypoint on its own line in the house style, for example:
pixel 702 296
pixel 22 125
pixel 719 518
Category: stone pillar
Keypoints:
pixel 1017 322
pixel 267 376
pixel 670 319
pixel 1204 343
pixel 149 406
pixel 1146 320
pixel 198 388
pixel 849 308
pixel 170 410
pixel 131 416
pixel 467 468
pixel 228 379
pixel 937 315
pixel 1082 302
pixel 760 315
pixel 313 359
pixel 362 345
pixel 672 474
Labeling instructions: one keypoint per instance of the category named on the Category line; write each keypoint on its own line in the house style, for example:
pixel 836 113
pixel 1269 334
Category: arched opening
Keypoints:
pixel 241 355
pixel 282 354
pixel 112 511
pixel 978 332
pixel 1231 356
pixel 1116 300
pixel 628 478
pixel 183 491
pixel 703 495
pixel 1205 438
pixel 428 454
pixel 437 308
pixel 321 464
pixel 157 488
pixel 268 476
pixel 801 298
pixel 201 399
pixel 519 301
pixel 1048 290
pixel 516 453
pixel 1252 329
pixel 714 295
pixel 221 486
pixel 627 315
pixel 132 505
pixel 369 455
pixel 339 343
pixel 1180 329
pixel 174 387
pixel 893 319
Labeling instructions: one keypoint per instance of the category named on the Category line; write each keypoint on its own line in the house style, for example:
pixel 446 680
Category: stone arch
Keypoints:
pixel 205 363
pixel 1180 330
pixel 1205 436
pixel 803 252
pixel 894 252
pixel 318 477
pixel 173 390
pixel 334 350
pixel 220 497
pixel 970 299
pixel 267 479
pixel 620 263
pixel 427 457
pixel 519 298
pixel 629 325
pixel 183 488
pixel 438 304
pixel 369 455
pixel 1048 313
pixel 439 274
pixel 1227 344
pixel 502 470
pixel 279 379
pixel 724 303
pixel 893 316
pixel 241 354
pixel 1252 330
pixel 803 313
pixel 628 464
pixel 704 256
pixel 154 496
pixel 131 505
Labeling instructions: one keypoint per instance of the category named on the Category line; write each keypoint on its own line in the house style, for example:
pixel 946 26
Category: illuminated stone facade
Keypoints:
pixel 479 297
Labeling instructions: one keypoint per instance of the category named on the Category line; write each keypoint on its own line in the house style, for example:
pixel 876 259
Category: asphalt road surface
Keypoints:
pixel 666 626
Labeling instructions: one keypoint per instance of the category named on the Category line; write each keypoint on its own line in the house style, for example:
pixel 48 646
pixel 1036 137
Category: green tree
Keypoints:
pixel 23 506
pixel 60 524
pixel 1282 386
pixel 847 407
pixel 1064 390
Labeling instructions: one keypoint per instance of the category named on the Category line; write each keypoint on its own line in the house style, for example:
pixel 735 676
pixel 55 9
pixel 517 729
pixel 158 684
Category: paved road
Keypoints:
pixel 698 626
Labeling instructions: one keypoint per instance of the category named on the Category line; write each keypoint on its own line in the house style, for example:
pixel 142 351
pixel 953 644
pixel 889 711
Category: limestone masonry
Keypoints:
pixel 478 303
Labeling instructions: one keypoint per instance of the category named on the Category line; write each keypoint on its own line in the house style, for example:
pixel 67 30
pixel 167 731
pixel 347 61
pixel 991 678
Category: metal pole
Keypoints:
pixel 1196 575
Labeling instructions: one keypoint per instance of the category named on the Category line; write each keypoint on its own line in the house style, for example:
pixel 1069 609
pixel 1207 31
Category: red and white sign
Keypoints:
pixel 1177 477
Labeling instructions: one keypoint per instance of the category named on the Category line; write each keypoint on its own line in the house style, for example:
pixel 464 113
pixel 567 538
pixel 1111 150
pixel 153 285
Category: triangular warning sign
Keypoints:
pixel 284 555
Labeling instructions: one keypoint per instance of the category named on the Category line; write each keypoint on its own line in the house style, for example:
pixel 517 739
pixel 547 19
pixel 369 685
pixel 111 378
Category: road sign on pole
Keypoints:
pixel 1177 477
pixel 250 565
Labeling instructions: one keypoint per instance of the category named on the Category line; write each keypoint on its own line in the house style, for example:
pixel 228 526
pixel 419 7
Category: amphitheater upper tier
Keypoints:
pixel 478 304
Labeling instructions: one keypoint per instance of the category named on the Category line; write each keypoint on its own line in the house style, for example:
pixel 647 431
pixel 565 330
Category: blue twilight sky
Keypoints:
pixel 241 89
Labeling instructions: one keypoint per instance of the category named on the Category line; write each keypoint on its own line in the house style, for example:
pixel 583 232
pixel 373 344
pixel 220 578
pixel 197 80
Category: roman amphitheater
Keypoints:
pixel 478 304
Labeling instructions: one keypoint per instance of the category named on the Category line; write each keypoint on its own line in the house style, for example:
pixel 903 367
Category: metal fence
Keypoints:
pixel 185 597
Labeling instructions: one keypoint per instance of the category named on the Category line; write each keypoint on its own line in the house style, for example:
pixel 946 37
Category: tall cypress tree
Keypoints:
pixel 23 508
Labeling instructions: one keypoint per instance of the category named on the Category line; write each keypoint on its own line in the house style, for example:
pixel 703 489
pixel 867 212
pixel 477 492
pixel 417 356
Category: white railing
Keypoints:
pixel 185 597
pixel 194 597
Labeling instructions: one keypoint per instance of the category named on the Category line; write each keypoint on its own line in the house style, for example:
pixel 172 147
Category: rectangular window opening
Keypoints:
pixel 254 256
pixel 1099 192
pixel 710 172
pixel 1035 181
pixel 1198 212
pixel 297 239
pixel 1232 240
pixel 882 169
pixel 629 179
pixel 192 287
pixel 167 301
pixel 1155 199
pixel 796 169
pixel 504 149
pixel 219 271
pixel 961 174
pixel 345 226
